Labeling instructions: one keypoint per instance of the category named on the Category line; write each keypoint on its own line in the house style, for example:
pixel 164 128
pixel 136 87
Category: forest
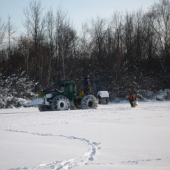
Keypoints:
pixel 128 52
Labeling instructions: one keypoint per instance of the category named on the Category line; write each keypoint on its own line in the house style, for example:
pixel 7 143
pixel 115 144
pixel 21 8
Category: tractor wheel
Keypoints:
pixel 89 102
pixel 43 108
pixel 60 103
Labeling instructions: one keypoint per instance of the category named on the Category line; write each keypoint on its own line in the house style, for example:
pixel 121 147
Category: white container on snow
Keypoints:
pixel 103 96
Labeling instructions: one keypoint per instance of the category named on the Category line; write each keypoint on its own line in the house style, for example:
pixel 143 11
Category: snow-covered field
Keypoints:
pixel 112 137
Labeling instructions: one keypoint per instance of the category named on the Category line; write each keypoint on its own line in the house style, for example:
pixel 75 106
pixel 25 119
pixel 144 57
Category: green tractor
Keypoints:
pixel 64 96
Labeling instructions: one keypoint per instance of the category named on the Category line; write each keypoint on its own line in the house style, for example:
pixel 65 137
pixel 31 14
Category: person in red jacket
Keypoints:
pixel 132 99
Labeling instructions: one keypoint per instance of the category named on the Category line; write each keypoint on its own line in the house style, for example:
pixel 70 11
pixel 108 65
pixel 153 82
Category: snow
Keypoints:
pixel 103 94
pixel 113 136
pixel 35 102
pixel 163 94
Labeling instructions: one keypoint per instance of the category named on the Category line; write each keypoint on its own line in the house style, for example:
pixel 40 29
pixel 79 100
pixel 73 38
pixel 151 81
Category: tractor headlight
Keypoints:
pixel 41 94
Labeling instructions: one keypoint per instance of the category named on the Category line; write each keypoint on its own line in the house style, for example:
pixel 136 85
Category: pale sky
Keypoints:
pixel 79 11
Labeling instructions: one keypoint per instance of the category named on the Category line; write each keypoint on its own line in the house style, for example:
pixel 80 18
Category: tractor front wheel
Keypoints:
pixel 60 103
pixel 89 102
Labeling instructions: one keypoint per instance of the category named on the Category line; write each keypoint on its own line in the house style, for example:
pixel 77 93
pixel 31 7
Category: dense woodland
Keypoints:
pixel 123 53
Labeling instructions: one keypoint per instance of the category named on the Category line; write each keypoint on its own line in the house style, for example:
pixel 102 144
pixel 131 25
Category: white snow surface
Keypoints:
pixel 111 137
pixel 103 94
pixel 35 102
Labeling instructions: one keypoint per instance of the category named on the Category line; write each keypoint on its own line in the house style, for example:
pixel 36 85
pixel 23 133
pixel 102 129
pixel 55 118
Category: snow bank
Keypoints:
pixel 163 95
pixel 15 91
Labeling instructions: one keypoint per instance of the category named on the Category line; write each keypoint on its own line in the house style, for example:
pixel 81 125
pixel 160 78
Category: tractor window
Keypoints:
pixel 61 88
pixel 75 88
pixel 71 88
pixel 58 88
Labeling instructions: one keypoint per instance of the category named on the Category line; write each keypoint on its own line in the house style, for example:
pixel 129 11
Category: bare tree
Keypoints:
pixel 161 13
pixel 118 43
pixel 98 32
pixel 10 33
pixel 50 20
pixel 35 25
pixel 2 32
pixel 24 46
pixel 65 37
pixel 2 36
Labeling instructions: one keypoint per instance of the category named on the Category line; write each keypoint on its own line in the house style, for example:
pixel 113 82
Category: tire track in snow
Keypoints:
pixel 141 161
pixel 66 164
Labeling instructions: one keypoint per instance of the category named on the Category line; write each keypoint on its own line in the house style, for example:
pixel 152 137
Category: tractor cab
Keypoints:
pixel 64 88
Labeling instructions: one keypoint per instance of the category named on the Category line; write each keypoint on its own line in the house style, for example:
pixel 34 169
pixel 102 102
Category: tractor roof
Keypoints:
pixel 65 82
pixel 62 82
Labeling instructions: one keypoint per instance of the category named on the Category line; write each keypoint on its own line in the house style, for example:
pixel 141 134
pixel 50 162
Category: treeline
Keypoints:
pixel 128 52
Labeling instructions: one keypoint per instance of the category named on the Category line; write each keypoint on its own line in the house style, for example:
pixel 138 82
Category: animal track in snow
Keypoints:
pixel 66 164
pixel 140 161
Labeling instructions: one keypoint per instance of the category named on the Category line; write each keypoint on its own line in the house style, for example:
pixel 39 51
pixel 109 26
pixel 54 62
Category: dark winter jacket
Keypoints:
pixel 87 82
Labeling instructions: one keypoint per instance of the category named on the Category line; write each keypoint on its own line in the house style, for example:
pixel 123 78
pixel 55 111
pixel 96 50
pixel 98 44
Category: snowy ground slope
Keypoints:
pixel 114 136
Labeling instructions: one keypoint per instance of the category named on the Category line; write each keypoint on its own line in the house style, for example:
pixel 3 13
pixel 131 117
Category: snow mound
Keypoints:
pixel 15 91
pixel 163 95
pixel 103 94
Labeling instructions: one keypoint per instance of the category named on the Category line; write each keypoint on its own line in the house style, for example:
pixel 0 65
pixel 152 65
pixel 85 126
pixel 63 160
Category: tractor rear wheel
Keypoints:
pixel 89 102
pixel 60 103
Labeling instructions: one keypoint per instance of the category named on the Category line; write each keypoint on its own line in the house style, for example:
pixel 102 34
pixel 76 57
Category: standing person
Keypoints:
pixel 87 85
pixel 132 99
